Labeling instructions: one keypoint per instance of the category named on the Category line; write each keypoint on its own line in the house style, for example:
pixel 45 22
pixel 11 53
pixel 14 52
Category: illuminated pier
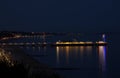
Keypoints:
pixel 56 44
pixel 23 44
pixel 44 42
pixel 80 43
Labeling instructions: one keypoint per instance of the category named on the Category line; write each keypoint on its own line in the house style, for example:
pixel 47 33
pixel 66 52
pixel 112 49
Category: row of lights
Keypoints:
pixel 79 42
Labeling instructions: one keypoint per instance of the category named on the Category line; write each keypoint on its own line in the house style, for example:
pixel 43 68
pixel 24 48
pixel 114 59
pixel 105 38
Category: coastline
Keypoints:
pixel 35 68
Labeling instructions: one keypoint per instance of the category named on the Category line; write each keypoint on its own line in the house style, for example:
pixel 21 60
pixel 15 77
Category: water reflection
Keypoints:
pixel 33 48
pixel 27 47
pixel 38 48
pixel 45 49
pixel 102 57
pixel 81 51
pixel 57 48
pixel 71 52
pixel 88 48
pixel 67 48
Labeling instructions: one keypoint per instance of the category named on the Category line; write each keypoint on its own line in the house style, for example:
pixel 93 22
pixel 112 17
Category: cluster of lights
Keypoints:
pixel 100 42
pixel 33 43
pixel 74 42
pixel 6 57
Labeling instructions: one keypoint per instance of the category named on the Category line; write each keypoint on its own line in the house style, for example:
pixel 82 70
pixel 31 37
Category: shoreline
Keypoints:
pixel 34 67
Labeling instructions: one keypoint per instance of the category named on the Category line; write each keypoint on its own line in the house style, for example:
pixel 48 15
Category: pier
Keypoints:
pixel 45 43
pixel 99 43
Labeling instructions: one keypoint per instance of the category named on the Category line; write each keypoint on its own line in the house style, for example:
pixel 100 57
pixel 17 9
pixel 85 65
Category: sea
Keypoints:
pixel 77 61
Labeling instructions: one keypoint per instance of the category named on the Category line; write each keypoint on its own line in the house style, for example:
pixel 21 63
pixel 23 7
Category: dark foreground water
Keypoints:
pixel 81 61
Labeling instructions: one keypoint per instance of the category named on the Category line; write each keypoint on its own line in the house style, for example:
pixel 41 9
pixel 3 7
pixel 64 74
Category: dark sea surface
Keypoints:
pixel 78 61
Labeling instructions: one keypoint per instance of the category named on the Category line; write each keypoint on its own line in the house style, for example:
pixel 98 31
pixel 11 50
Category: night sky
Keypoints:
pixel 59 15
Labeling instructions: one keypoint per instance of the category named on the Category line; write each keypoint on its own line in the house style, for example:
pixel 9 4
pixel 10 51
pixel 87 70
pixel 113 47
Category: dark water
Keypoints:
pixel 80 61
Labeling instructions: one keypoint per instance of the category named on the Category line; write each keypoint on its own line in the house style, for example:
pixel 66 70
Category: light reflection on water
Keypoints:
pixel 83 58
pixel 33 48
pixel 102 57
pixel 57 50
pixel 80 53
pixel 72 51
pixel 39 48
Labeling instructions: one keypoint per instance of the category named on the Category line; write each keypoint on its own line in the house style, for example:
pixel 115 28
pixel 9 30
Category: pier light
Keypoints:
pixel 57 42
pixel 82 42
pixel 67 42
pixel 75 42
pixel 27 43
pixel 33 43
pixel 4 44
pixel 44 43
pixel 103 37
pixel 88 42
pixel 100 42
pixel 17 36
pixel 4 38
pixel 33 33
